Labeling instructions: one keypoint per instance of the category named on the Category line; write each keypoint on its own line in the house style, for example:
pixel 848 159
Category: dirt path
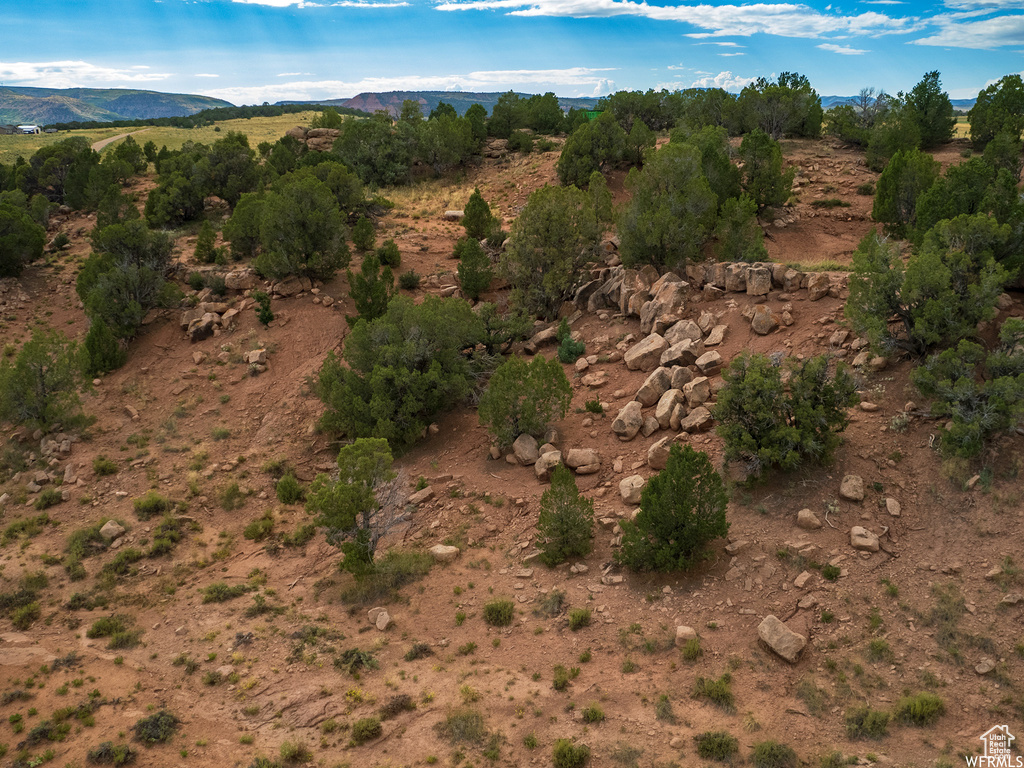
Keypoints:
pixel 99 145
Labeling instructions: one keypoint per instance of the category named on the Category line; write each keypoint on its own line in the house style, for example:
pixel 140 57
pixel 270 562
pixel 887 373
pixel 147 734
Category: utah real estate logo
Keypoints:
pixel 996 742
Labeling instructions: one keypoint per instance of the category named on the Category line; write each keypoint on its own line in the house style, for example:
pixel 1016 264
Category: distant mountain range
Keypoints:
pixel 828 102
pixel 46 106
pixel 392 101
pixel 43 106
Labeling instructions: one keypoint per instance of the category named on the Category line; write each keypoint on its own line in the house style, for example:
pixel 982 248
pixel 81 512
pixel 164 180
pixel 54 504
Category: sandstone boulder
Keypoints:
pixel 667 403
pixel 546 464
pixel 763 321
pixel 655 386
pixel 697 392
pixel 629 421
pixel 818 285
pixel 759 281
pixel 863 539
pixel 444 553
pixel 582 457
pixel 807 520
pixel 525 450
pixel 646 354
pixel 631 489
pixel 698 420
pixel 781 639
pixel 852 488
pixel 111 530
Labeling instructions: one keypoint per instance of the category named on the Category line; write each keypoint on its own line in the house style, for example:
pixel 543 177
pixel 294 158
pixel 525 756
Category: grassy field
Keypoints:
pixel 257 129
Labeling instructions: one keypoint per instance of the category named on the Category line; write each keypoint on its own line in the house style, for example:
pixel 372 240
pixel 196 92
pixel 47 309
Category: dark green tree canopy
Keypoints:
pixel 933 111
pixel 21 239
pixel 402 370
pixel 999 108
pixel 682 510
pixel 39 386
pixel 524 398
pixel 566 520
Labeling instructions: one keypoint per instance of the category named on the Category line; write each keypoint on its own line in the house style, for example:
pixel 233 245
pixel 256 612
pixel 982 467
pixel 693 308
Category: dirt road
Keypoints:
pixel 101 144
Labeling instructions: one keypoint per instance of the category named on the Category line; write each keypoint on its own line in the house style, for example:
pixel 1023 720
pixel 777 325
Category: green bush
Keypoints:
pixel 766 424
pixel 499 613
pixel 289 490
pixel 717 745
pixel 477 217
pixel 718 692
pixel 579 618
pixel 363 236
pixel 948 286
pixel 523 398
pixel 151 504
pixel 409 281
pixel 366 729
pixel 103 466
pixel 403 369
pixel 921 709
pixel 568 755
pixel 24 616
pixel 295 752
pixel 262 307
pixel 389 255
pixel 205 251
pixel 122 563
pixel 419 651
pixel 593 714
pixel 462 725
pixel 738 234
pixel 40 385
pixel 772 754
pixel 475 271
pixel 156 729
pixel 682 509
pixel 108 753
pixel 691 650
pixel 906 177
pixel 21 240
pixel 102 352
pixel 219 592
pixel 866 723
pixel 763 178
pixel 566 520
pixel 108 626
pixel 49 497
pixel 552 239
pixel 260 528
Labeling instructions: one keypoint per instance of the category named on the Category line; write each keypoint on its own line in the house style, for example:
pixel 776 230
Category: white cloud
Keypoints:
pixel 722 43
pixel 200 74
pixel 337 3
pixel 725 80
pixel 782 19
pixel 576 78
pixel 995 5
pixel 72 74
pixel 843 49
pixel 295 74
pixel 883 2
pixel 732 54
pixel 990 33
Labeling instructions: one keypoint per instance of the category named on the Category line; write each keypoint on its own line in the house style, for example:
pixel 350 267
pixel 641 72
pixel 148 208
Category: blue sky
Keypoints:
pixel 251 51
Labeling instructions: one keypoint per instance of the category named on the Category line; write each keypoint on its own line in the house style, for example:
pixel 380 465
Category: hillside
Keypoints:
pixel 392 101
pixel 43 106
pixel 231 616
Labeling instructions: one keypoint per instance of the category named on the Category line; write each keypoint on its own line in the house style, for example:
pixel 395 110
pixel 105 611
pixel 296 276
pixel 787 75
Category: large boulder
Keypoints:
pixel 759 281
pixel 665 306
pixel 681 377
pixel 716 336
pixel 697 392
pixel 629 421
pixel 240 280
pixel 667 403
pixel 685 352
pixel 852 488
pixel 645 354
pixel 655 386
pixel 818 285
pixel 444 553
pixel 781 639
pixel 863 539
pixel 112 530
pixel 684 329
pixel 546 464
pixel 632 488
pixel 203 327
pixel 698 420
pixel 526 450
pixel 582 457
pixel 764 321
pixel 657 454
pixel 709 363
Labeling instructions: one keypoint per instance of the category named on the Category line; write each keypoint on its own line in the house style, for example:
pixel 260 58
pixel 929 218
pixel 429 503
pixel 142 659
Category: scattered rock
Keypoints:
pixel 629 421
pixel 817 285
pixel 893 507
pixel 631 489
pixel 546 464
pixel 781 639
pixel 646 354
pixel 698 420
pixel 657 454
pixel 582 457
pixel 852 488
pixel 807 520
pixel 985 666
pixel 801 581
pixel 684 634
pixel 764 321
pixel 444 553
pixel 421 496
pixel 111 530
pixel 655 386
pixel 1012 598
pixel 525 450
pixel 709 363
pixel 863 539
